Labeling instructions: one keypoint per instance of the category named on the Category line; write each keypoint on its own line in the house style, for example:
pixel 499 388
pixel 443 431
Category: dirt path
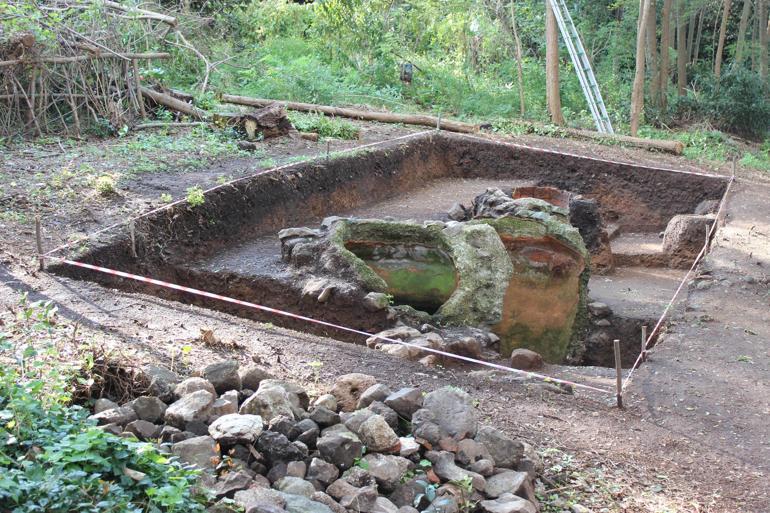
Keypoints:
pixel 658 455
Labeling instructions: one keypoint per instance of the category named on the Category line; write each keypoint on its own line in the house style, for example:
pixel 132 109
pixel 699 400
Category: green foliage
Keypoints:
pixel 195 197
pixel 52 458
pixel 324 126
pixel 105 185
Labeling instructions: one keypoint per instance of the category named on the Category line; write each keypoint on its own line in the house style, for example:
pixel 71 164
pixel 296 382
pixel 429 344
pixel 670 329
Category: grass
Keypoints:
pixel 324 126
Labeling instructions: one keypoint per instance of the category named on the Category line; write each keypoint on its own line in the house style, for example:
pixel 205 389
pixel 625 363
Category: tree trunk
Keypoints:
pixel 742 26
pixel 652 50
pixel 519 69
pixel 696 49
pixel 681 50
pixel 722 34
pixel 637 92
pixel 552 66
pixel 691 24
pixel 764 33
pixel 665 44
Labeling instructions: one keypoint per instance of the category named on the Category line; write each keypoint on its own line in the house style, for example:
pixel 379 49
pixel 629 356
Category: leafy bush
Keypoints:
pixel 195 196
pixel 54 460
pixel 323 125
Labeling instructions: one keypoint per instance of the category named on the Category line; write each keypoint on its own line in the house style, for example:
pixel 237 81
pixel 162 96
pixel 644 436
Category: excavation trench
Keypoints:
pixel 230 245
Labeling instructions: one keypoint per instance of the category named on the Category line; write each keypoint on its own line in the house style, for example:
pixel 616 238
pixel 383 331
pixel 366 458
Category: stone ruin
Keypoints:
pixel 513 265
pixel 263 447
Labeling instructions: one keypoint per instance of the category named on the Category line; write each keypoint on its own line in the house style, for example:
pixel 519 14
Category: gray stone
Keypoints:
pixel 362 500
pixel 376 301
pixel 397 333
pixel 161 381
pixel 191 407
pixel 143 429
pixel 327 401
pixel 707 207
pixel 121 415
pixel 282 424
pixel 327 501
pixel 409 446
pixel 296 469
pixel 508 503
pixel 167 432
pixel 407 509
pixel 223 375
pixel 252 375
pixel 322 471
pixel 376 392
pixel 276 447
pixel 383 505
pixel 506 482
pixel 599 309
pixel 483 467
pixel 193 384
pixel 148 408
pixel 359 477
pixel 445 468
pixel 268 402
pixel 252 497
pixel 454 412
pixel 390 416
pixel 277 472
pixel 294 486
pixel 302 504
pixel 377 435
pixel 526 359
pixel 236 429
pixel 444 504
pixel 684 237
pixel 115 429
pixel 424 426
pixel 348 388
pixel 470 451
pixel 340 488
pixel 457 213
pixel 387 470
pixel 227 485
pixel 340 449
pixel 354 420
pixel 324 417
pixel 405 401
pixel 407 492
pixel 103 404
pixel 226 404
pixel 505 451
pixel 297 395
pixel 200 451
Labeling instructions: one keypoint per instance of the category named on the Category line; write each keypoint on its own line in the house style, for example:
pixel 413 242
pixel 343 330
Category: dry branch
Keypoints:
pixel 382 117
pixel 79 58
pixel 174 104
pixel 143 13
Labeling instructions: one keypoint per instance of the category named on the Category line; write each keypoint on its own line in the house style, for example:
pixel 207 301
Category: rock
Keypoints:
pixel 443 505
pixel 465 346
pixel 297 395
pixel 268 402
pixel 148 408
pixel 506 452
pixel 390 416
pixel 324 417
pixel 254 497
pixel 252 375
pixel 226 404
pixel 470 451
pixel 376 392
pixel 409 446
pixel 340 488
pixel 405 401
pixel 296 469
pixel 294 486
pixel 361 500
pixel 383 505
pixel 348 388
pixel 322 471
pixel 302 504
pixel 376 301
pixel 407 492
pixel 457 212
pixel 599 309
pixel 354 420
pixel 193 384
pixel 167 432
pixel 282 424
pixel 340 449
pixel 235 429
pixel 277 472
pixel 424 426
pixel 445 468
pixel 508 503
pixel 706 207
pixel 276 447
pixel 359 477
pixel 327 401
pixel 103 404
pixel 114 429
pixel 506 482
pixel 531 462
pixel 526 359
pixel 121 415
pixel 454 412
pixel 397 333
pixel 200 451
pixel 191 407
pixel 407 509
pixel 223 376
pixel 377 435
pixel 232 482
pixel 306 431
pixel 198 427
pixel 387 470
pixel 144 430
pixel 161 382
pixel 327 501
pixel 684 238
pixel 483 467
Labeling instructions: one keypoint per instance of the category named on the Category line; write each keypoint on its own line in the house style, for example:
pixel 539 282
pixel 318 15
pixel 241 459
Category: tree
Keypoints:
pixel 665 44
pixel 764 35
pixel 740 48
pixel 652 51
pixel 496 8
pixel 682 53
pixel 553 98
pixel 637 91
pixel 722 34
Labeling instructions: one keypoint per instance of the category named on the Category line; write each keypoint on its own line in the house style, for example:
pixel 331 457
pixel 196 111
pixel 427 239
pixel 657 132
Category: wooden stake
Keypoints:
pixel 132 233
pixel 644 343
pixel 618 373
pixel 328 149
pixel 39 242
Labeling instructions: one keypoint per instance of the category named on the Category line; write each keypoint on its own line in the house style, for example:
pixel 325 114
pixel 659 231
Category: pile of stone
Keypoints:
pixel 362 448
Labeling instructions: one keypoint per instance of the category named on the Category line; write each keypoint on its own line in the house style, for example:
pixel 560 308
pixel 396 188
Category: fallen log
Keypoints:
pixel 382 117
pixel 168 124
pixel 174 104
pixel 664 145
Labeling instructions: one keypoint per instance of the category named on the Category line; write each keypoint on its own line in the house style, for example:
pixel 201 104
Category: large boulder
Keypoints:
pixel 236 429
pixel 453 411
pixel 684 238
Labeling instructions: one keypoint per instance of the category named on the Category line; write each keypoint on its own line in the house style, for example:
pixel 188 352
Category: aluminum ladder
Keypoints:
pixel 582 66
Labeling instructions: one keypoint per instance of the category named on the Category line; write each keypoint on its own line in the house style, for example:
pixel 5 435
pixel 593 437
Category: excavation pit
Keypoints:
pixel 229 245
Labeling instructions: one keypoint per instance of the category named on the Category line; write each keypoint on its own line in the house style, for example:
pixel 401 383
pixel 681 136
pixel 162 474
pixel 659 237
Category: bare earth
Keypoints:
pixel 694 436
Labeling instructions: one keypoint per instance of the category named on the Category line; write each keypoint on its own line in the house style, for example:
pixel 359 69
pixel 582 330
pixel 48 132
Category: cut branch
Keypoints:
pixel 78 58
pixel 174 104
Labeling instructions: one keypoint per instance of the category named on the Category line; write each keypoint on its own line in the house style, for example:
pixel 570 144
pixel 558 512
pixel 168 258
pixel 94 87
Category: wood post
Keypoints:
pixel 644 343
pixel 132 233
pixel 618 373
pixel 39 243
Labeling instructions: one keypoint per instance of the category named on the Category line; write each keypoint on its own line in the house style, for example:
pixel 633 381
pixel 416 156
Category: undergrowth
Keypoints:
pixel 324 126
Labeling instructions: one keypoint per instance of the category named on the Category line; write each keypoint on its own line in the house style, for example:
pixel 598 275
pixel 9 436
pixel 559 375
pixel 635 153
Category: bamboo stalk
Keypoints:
pixel 78 58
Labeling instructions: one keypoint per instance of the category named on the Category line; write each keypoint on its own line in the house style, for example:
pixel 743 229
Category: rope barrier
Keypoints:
pixel 220 186
pixel 670 304
pixel 211 295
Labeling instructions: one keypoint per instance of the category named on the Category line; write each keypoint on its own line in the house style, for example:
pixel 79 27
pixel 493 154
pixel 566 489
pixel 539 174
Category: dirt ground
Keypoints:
pixel 693 436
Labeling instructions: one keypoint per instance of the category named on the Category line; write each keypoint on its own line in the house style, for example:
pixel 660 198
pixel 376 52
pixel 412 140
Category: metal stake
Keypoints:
pixel 644 343
pixel 618 373
pixel 39 241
